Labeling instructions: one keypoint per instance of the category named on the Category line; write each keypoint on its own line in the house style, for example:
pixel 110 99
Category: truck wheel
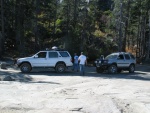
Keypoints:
pixel 112 69
pixel 60 68
pixel 99 70
pixel 25 67
pixel 131 68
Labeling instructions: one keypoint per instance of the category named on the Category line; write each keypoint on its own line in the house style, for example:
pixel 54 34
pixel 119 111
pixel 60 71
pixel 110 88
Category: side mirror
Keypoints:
pixel 35 56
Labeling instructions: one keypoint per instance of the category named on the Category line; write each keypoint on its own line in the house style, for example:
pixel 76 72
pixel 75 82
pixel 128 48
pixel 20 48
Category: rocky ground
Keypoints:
pixel 45 91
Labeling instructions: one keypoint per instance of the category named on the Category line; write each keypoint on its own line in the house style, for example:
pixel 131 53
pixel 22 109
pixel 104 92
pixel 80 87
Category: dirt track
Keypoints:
pixel 46 91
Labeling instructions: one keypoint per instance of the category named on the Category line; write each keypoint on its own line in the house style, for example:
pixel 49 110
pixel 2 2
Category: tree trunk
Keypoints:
pixel 143 44
pixel 139 35
pixel 55 18
pixel 2 37
pixel 75 12
pixel 138 54
pixel 148 52
pixel 67 40
pixel 126 27
pixel 120 27
pixel 19 27
pixel 36 46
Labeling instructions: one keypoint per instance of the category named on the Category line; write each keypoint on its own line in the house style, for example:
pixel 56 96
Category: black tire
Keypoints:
pixel 60 68
pixel 112 69
pixel 131 68
pixel 25 68
pixel 99 70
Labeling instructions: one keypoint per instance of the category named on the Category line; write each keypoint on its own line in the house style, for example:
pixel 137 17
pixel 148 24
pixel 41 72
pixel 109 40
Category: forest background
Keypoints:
pixel 93 26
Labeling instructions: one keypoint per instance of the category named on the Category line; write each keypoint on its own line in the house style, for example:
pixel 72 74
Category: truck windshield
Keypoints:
pixel 112 56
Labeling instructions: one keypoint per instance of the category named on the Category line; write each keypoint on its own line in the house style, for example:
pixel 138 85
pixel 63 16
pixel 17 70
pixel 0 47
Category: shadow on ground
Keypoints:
pixel 13 76
pixel 141 73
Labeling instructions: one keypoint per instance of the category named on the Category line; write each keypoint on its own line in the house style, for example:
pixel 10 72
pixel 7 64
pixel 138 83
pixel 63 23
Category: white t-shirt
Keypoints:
pixel 76 59
pixel 82 59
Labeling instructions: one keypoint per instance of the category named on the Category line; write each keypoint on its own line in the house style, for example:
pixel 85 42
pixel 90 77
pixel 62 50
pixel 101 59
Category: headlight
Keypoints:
pixel 105 62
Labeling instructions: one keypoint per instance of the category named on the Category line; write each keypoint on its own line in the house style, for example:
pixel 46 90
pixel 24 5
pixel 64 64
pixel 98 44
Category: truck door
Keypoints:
pixel 40 59
pixel 121 61
pixel 52 58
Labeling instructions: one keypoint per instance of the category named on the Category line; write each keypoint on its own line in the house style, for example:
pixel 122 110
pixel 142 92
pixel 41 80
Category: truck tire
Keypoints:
pixel 131 68
pixel 112 69
pixel 60 68
pixel 25 68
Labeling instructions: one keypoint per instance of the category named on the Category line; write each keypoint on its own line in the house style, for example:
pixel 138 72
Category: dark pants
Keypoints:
pixel 75 67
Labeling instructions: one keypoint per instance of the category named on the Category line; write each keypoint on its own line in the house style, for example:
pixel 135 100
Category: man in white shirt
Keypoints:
pixel 83 61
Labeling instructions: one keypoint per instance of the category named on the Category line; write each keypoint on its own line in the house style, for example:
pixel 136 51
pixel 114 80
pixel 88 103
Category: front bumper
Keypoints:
pixel 102 65
pixel 18 64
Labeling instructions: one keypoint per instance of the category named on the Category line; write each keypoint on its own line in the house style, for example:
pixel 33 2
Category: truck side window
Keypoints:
pixel 42 55
pixel 127 57
pixel 53 55
pixel 121 57
pixel 132 56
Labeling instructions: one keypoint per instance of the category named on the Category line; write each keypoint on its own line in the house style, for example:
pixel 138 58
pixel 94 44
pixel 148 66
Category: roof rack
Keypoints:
pixel 58 49
pixel 55 49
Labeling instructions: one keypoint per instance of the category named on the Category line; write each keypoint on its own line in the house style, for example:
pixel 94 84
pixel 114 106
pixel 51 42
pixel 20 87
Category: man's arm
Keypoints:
pixel 79 59
pixel 86 61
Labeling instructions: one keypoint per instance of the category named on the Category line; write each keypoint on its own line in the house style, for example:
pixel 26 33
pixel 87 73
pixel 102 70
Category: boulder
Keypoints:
pixel 3 66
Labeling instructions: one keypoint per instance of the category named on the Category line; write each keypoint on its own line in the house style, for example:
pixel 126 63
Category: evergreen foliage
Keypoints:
pixel 93 26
